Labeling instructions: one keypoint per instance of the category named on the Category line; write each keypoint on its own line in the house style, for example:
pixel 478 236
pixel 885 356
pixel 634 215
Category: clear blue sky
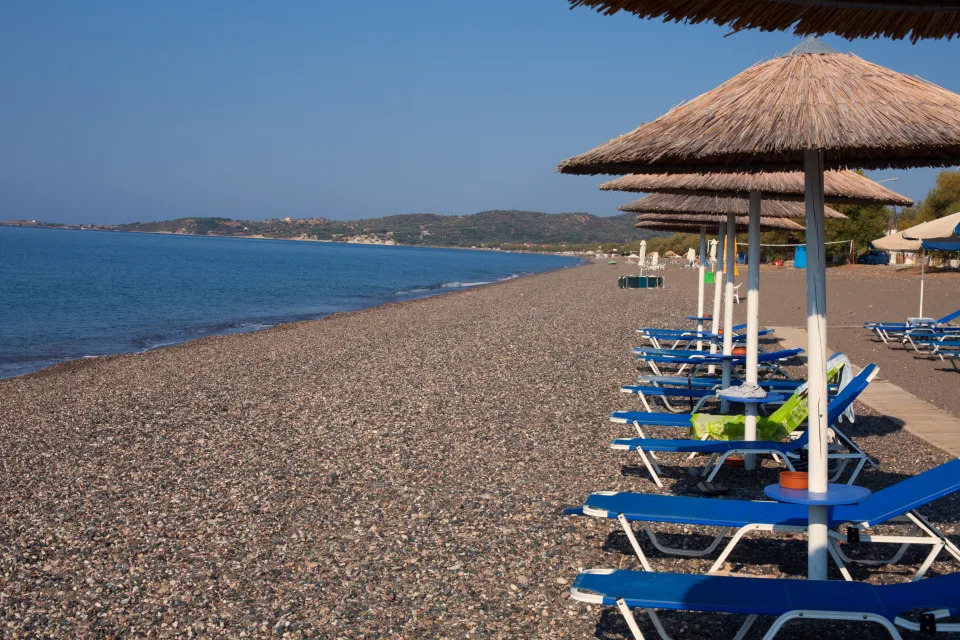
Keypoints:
pixel 116 111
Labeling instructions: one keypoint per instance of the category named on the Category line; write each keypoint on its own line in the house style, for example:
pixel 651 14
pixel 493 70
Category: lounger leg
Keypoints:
pixel 706 468
pixel 733 543
pixel 690 553
pixel 646 405
pixel 833 548
pixel 937 548
pixel 857 470
pixel 627 529
pixel 651 466
pixel 655 619
pixel 745 627
pixel 919 520
pixel 641 432
pixel 631 621
pixel 831 615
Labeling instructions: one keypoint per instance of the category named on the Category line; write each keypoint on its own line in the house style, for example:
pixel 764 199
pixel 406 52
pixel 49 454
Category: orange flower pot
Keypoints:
pixel 739 351
pixel 793 479
pixel 733 462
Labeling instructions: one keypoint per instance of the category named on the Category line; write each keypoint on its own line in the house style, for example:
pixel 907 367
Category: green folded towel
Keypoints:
pixel 775 427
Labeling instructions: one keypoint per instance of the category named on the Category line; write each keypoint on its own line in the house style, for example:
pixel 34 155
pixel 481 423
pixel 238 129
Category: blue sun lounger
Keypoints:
pixel 887 331
pixel 896 503
pixel 697 359
pixel 706 389
pixel 700 389
pixel 720 450
pixel 886 605
pixel 687 338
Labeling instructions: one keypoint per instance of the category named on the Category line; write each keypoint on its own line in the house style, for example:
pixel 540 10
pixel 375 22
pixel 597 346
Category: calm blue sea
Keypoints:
pixel 72 294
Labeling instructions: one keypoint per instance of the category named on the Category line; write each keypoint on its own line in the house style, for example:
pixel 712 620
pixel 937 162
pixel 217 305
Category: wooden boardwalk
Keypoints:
pixel 917 416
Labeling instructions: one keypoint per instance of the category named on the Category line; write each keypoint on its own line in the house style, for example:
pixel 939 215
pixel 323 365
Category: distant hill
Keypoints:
pixel 488 228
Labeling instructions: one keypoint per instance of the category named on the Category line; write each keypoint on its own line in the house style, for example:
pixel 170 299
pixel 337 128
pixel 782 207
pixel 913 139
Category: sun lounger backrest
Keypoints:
pixel 911 493
pixel 950 317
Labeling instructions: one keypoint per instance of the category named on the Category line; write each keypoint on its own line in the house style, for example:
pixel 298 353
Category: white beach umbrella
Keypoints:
pixel 940 230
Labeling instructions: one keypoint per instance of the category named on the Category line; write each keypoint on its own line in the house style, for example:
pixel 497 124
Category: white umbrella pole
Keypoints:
pixel 923 269
pixel 816 362
pixel 728 304
pixel 700 272
pixel 717 293
pixel 753 320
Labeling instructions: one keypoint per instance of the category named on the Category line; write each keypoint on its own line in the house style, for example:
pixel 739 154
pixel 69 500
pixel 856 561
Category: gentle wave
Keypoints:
pixel 458 285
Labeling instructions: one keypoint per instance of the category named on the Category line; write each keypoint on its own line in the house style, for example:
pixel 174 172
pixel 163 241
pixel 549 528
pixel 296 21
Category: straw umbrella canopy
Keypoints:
pixel 693 223
pixel 897 19
pixel 771 224
pixel 815 109
pixel 767 117
pixel 707 204
pixel 840 187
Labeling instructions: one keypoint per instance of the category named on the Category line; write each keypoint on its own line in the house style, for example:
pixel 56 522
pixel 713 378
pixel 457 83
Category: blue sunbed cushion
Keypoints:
pixel 652 418
pixel 895 500
pixel 668 445
pixel 764 596
pixel 708 512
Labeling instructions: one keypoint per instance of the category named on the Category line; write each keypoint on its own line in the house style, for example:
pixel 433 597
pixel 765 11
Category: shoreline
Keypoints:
pixel 73 364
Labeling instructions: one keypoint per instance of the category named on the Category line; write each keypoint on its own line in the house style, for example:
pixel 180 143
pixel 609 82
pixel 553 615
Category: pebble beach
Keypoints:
pixel 397 472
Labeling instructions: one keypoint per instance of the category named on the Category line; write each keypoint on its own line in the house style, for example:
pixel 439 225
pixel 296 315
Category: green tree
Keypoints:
pixel 942 200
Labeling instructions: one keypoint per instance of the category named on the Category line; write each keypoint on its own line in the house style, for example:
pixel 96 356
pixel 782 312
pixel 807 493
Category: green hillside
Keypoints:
pixel 488 228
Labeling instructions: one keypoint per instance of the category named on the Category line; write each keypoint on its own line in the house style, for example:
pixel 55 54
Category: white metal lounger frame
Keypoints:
pixel 715 463
pixel 666 403
pixel 774 629
pixel 770 367
pixel 932 537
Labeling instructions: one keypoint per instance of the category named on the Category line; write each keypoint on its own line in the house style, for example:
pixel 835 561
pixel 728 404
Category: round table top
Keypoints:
pixel 724 394
pixel 836 494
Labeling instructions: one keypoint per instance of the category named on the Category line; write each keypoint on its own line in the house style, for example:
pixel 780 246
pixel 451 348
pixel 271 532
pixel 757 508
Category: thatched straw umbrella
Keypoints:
pixel 850 19
pixel 840 187
pixel 813 109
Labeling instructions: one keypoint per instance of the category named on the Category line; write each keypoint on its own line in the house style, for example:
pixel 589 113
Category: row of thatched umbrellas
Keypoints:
pixel 792 120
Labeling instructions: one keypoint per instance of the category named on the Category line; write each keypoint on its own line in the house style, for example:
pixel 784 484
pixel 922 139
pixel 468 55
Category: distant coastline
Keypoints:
pixel 505 230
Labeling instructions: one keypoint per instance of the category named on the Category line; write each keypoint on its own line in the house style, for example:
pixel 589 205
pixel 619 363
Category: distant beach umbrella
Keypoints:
pixel 940 230
pixel 812 109
pixel 897 19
